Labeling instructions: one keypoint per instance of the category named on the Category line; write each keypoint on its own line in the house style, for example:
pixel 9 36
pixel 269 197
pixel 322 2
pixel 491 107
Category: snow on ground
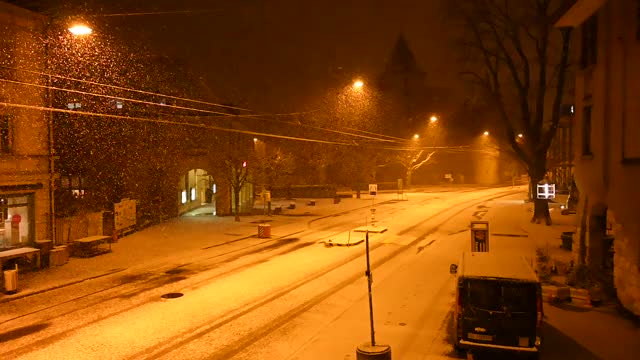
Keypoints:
pixel 299 319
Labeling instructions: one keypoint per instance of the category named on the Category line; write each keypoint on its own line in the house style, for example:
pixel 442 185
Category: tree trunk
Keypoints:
pixel 582 242
pixel 409 173
pixel 540 206
pixel 236 192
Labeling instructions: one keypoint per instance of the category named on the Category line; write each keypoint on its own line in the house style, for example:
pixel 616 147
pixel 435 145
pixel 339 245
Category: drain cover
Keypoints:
pixel 174 295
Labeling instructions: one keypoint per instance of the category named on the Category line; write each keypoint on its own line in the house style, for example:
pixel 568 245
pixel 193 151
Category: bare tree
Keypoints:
pixel 520 61
pixel 274 168
pixel 412 161
pixel 234 162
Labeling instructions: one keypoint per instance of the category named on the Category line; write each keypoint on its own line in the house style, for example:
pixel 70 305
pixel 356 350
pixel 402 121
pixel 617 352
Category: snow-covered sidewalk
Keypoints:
pixel 181 238
pixel 601 332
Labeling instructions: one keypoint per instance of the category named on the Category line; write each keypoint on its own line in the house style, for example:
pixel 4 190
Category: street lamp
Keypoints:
pixel 520 136
pixel 486 133
pixel 433 118
pixel 358 84
pixel 80 29
pixel 76 30
pixel 416 136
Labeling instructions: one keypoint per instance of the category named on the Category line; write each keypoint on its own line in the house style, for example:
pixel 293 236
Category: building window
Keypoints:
pixel 74 105
pixel 589 51
pixel 586 131
pixel 16 220
pixel 567 110
pixel 117 104
pixel 6 136
pixel 637 19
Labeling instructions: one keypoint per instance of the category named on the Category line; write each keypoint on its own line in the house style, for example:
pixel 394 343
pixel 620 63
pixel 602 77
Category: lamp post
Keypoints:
pixel 76 30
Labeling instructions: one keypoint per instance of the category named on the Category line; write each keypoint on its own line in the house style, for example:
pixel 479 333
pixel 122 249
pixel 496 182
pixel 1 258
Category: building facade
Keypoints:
pixel 560 154
pixel 606 142
pixel 26 209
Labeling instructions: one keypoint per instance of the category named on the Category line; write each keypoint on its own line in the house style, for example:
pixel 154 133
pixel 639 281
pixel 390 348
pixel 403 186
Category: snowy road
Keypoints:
pixel 288 297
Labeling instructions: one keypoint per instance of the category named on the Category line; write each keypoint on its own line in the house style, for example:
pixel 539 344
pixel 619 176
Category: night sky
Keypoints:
pixel 281 55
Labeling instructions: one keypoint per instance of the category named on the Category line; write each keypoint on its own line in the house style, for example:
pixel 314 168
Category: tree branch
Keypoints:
pixel 542 75
pixel 557 101
pixel 426 160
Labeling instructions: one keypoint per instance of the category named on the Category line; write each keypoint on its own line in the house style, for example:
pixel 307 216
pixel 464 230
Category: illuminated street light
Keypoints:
pixel 416 136
pixel 358 84
pixel 520 136
pixel 433 118
pixel 486 133
pixel 255 139
pixel 80 30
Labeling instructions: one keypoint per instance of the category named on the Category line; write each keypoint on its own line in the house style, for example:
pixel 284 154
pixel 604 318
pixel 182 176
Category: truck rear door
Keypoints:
pixel 500 312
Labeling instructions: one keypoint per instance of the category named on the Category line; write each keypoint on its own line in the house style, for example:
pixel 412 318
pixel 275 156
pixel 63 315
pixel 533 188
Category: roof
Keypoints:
pixel 579 12
pixel 496 265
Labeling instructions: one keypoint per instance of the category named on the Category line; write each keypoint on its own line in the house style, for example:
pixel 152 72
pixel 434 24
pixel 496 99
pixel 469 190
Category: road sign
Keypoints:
pixel 373 189
pixel 546 191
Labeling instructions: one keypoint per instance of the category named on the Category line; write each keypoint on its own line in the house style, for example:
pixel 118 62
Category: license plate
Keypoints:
pixel 480 337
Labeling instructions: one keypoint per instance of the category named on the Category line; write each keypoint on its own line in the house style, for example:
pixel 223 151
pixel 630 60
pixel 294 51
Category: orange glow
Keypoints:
pixel 79 30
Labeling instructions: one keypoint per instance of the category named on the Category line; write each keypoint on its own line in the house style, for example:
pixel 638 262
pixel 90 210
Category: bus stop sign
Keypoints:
pixel 479 236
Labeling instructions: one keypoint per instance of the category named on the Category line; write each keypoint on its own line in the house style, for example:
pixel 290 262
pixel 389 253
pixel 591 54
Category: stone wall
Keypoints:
pixel 627 264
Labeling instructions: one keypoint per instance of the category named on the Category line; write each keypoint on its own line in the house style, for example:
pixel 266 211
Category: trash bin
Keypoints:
pixel 264 230
pixel 567 240
pixel 11 281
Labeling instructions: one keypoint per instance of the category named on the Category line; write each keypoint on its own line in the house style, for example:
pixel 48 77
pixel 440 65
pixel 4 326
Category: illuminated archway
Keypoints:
pixel 196 190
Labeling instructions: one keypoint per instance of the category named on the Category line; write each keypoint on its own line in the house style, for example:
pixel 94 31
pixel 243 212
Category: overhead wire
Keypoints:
pixel 136 118
pixel 126 89
pixel 204 126
pixel 259 116
pixel 170 12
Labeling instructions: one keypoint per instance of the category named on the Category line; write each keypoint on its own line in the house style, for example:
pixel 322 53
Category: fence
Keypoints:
pixel 78 226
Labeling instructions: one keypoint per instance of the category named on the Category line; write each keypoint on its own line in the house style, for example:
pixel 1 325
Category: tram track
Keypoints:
pixel 159 351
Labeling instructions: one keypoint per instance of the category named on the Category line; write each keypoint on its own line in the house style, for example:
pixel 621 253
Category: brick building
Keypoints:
pixel 26 209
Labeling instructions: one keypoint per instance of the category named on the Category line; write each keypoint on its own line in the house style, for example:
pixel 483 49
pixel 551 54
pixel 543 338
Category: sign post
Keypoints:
pixel 479 236
pixel 371 350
